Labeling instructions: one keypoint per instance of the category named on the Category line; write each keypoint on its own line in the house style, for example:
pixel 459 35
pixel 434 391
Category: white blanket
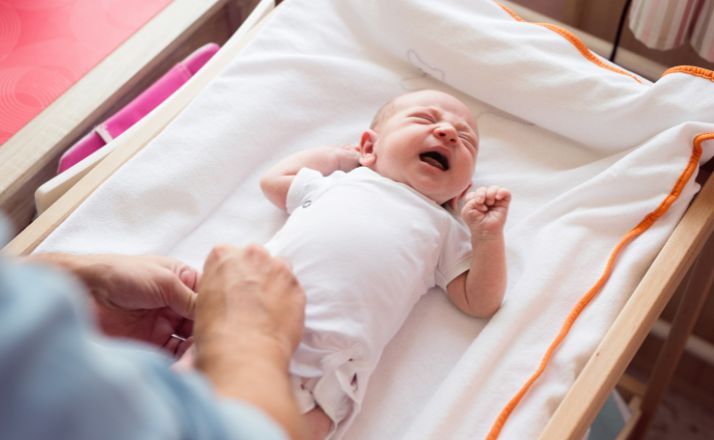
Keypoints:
pixel 587 152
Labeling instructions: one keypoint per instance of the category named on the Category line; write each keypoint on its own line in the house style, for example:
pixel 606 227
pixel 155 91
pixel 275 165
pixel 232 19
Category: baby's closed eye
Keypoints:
pixel 425 117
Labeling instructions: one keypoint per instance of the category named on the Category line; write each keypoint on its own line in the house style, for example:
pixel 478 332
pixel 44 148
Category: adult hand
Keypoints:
pixel 249 319
pixel 250 300
pixel 148 298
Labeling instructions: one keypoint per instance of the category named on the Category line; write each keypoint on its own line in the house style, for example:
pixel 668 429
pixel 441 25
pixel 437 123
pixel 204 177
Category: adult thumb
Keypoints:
pixel 181 298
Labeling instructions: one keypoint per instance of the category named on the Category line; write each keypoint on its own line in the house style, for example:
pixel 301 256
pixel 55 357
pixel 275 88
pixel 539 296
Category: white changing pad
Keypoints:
pixel 587 151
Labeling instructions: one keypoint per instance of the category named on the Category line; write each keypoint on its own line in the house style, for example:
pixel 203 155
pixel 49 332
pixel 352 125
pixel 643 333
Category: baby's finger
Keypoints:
pixel 480 194
pixel 471 206
pixel 479 206
pixel 503 195
pixel 491 195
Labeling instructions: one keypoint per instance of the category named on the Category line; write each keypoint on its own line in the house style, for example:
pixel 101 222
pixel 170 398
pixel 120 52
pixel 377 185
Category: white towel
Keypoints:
pixel 586 150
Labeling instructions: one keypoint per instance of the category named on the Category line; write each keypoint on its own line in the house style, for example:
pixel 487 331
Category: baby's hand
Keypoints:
pixel 486 209
pixel 348 157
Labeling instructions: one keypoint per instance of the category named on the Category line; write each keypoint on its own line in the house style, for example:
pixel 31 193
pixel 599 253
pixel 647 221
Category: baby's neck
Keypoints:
pixel 445 205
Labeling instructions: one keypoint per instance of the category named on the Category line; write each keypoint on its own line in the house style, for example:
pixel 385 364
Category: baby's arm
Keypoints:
pixel 276 181
pixel 479 291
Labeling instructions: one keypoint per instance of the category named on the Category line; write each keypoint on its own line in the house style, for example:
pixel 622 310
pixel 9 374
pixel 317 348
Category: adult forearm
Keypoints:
pixel 254 371
pixel 249 319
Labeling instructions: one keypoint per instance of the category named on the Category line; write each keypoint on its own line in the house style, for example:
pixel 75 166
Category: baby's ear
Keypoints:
pixel 453 204
pixel 366 148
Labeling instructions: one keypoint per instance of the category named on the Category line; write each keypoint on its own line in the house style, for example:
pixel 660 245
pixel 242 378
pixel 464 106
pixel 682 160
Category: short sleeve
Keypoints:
pixel 306 184
pixel 455 256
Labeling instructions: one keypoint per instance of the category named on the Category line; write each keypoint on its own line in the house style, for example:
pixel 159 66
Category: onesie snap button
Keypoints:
pixel 307 203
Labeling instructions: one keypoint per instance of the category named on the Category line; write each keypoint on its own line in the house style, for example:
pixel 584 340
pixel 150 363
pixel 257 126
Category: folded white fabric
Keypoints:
pixel 587 152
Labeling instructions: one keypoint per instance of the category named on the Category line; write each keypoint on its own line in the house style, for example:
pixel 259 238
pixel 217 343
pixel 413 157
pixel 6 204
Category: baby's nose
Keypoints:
pixel 445 133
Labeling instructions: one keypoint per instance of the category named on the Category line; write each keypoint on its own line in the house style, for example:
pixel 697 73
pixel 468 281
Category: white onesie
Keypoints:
pixel 365 248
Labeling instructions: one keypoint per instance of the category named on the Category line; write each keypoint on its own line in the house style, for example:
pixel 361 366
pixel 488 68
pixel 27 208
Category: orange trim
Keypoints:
pixel 575 41
pixel 645 224
pixel 691 70
pixel 584 51
pixel 511 13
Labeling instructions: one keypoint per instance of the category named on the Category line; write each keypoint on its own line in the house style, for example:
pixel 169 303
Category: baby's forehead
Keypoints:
pixel 437 101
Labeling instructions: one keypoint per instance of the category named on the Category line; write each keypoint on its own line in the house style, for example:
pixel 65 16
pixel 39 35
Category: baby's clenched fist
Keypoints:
pixel 486 209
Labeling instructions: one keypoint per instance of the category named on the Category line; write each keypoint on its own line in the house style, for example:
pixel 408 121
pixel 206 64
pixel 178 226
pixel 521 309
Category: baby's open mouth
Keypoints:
pixel 435 159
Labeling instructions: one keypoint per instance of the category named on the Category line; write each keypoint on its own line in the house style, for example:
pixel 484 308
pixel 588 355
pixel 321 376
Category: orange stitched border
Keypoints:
pixel 645 224
pixel 691 70
pixel 579 45
pixel 582 48
pixel 510 12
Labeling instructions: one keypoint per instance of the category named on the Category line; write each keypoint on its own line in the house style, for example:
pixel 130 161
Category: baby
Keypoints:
pixel 371 229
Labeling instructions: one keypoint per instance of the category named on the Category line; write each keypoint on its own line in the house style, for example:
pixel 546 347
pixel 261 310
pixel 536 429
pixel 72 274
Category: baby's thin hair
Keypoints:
pixel 383 113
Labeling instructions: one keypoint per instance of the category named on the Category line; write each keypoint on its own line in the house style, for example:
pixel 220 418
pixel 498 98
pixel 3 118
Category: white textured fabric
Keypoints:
pixel 587 153
pixel 365 249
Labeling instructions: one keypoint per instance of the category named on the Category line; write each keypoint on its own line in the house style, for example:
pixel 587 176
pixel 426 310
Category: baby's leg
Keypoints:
pixel 318 423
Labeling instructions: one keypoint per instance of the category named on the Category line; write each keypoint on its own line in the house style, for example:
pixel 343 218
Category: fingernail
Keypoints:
pixel 188 277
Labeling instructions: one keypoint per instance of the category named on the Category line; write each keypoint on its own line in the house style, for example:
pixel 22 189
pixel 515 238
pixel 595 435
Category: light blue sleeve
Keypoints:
pixel 59 379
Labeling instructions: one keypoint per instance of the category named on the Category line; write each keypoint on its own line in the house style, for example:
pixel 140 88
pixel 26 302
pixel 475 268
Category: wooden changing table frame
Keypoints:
pixel 681 264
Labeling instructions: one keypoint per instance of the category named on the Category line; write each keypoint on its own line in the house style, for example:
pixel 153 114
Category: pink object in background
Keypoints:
pixel 48 45
pixel 137 108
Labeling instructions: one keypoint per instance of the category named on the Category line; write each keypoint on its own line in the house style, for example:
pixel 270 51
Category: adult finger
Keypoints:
pixel 185 328
pixel 217 254
pixel 189 277
pixel 178 289
pixel 179 297
pixel 177 345
pixel 183 347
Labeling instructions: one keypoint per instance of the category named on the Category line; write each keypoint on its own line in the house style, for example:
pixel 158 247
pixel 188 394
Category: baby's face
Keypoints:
pixel 429 142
